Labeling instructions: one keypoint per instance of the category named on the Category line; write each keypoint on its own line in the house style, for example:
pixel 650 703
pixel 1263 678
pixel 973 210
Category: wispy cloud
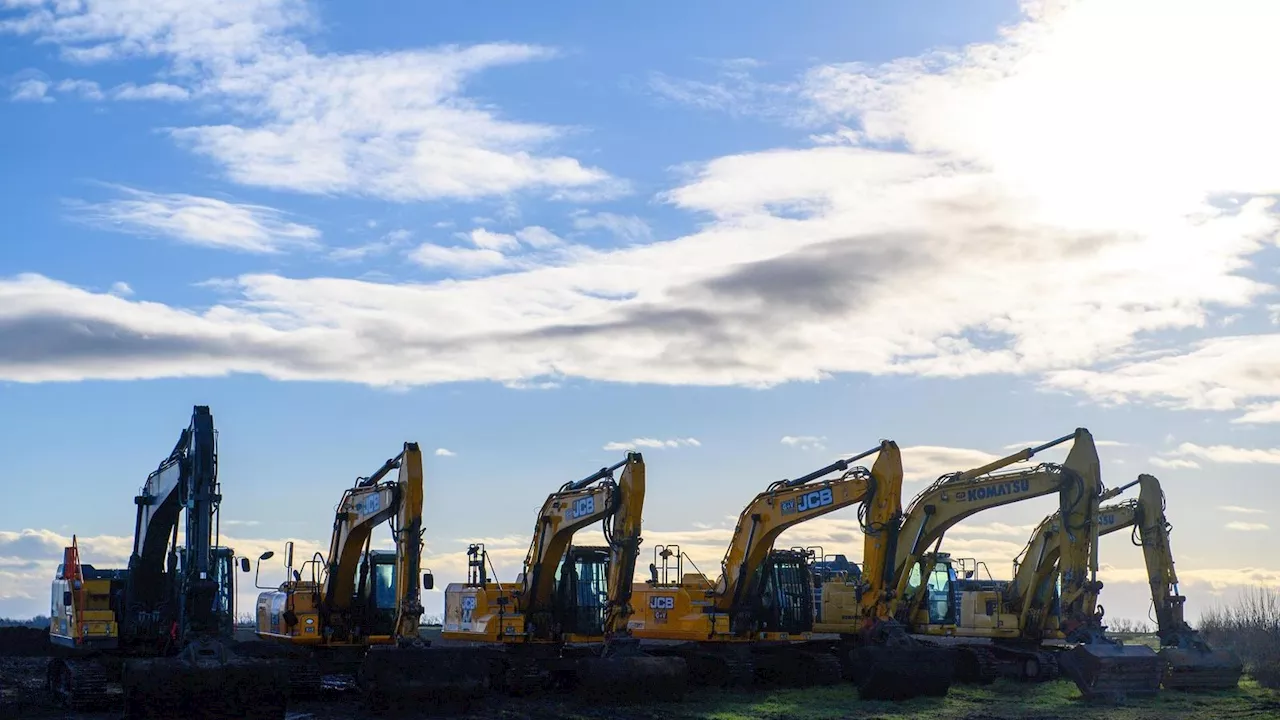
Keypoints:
pixel 31 90
pixel 150 91
pixel 1242 510
pixel 1173 463
pixel 624 227
pixel 1226 454
pixel 652 443
pixel 196 220
pixel 86 89
pixel 804 442
pixel 393 125
pixel 1246 526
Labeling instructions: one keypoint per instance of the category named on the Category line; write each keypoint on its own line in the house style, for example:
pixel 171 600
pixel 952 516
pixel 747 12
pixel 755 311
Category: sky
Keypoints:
pixel 743 238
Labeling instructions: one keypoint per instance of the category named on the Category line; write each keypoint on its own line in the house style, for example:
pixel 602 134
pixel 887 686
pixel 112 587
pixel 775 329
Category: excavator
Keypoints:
pixel 1190 662
pixel 162 628
pixel 564 623
pixel 756 622
pixel 946 605
pixel 356 612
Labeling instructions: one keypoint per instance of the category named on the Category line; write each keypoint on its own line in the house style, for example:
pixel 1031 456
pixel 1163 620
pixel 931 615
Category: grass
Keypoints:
pixel 999 701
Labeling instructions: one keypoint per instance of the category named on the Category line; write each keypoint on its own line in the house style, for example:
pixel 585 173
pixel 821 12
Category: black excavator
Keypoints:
pixel 162 629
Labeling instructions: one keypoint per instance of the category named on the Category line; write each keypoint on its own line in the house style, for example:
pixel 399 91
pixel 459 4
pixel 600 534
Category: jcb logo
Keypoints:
pixel 583 506
pixel 662 602
pixel 815 500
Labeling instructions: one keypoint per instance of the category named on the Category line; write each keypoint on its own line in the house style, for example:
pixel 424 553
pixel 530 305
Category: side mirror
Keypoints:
pixel 968 574
pixel 266 555
pixel 428 581
pixel 244 564
pixel 653 574
pixel 288 554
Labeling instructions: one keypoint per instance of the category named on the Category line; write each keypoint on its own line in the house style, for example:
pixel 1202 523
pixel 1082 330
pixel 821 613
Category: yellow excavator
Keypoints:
pixel 163 627
pixel 356 611
pixel 1189 662
pixel 933 600
pixel 564 623
pixel 756 622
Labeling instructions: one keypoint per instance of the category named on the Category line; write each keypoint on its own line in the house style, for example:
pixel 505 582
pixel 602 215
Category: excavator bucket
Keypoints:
pixel 393 678
pixel 890 672
pixel 631 678
pixel 1194 669
pixel 204 681
pixel 1112 671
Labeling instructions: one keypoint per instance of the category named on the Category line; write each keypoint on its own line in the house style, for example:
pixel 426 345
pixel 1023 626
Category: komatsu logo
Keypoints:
pixel 1107 520
pixel 1012 487
pixel 808 501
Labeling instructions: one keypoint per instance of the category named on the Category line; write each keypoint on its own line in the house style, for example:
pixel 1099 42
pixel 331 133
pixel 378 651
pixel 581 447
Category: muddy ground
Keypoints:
pixel 23 656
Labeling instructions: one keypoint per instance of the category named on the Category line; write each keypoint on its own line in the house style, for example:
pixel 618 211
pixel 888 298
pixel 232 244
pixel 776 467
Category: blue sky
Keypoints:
pixel 742 238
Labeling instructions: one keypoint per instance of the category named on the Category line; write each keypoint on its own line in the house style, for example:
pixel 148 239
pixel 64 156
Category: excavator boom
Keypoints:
pixel 1190 663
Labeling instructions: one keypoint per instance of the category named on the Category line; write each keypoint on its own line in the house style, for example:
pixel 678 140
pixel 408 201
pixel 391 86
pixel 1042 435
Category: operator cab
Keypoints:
pixel 784 593
pixel 582 590
pixel 955 594
pixel 375 593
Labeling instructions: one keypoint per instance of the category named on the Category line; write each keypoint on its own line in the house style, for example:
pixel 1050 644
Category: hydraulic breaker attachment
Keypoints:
pixel 1110 671
pixel 205 680
pixel 1195 668
pixel 414 675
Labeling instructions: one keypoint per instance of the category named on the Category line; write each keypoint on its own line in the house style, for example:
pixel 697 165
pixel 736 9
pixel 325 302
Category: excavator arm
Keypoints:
pixel 1192 664
pixel 576 505
pixel 365 506
pixel 785 503
pixel 623 536
pixel 957 496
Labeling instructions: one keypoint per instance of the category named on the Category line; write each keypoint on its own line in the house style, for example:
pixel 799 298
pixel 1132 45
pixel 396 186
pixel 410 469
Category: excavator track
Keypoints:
pixel 901 672
pixel 78 684
pixel 976 664
pixel 1192 669
pixel 397 677
pixel 1110 671
pixel 631 677
pixel 205 681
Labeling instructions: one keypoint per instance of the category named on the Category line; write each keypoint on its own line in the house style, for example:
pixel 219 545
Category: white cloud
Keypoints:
pixel 652 443
pixel 929 462
pixel 493 241
pixel 1246 526
pixel 121 289
pixel 1242 510
pixel 150 91
pixel 624 227
pixel 86 89
pixel 392 125
pixel 445 452
pixel 1227 454
pixel 1037 443
pixel 195 220
pixel 1260 413
pixel 31 90
pixel 459 259
pixel 732 90
pixel 1038 205
pixel 804 442
pixel 387 243
pixel 1174 463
